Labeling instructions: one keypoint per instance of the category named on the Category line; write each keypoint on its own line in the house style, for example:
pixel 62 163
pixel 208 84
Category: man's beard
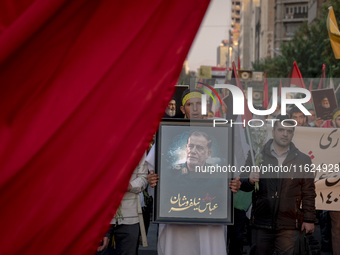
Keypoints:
pixel 326 105
pixel 171 113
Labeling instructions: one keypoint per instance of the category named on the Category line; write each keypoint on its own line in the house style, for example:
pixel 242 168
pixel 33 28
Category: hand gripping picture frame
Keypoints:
pixel 194 161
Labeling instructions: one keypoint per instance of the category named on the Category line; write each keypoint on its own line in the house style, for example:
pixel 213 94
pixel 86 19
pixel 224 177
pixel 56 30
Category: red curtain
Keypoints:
pixel 83 85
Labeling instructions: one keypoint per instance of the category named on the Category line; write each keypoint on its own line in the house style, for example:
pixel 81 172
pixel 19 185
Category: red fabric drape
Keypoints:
pixel 83 85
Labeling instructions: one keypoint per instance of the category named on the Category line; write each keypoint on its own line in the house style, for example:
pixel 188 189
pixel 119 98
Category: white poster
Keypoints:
pixel 323 147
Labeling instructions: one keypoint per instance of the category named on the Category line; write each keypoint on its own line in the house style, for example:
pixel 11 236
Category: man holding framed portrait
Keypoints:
pixel 192 236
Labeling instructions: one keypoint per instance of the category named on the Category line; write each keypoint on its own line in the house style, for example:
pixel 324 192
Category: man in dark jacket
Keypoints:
pixel 284 202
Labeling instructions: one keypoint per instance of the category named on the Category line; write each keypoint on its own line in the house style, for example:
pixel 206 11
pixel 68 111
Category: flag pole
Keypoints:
pixel 337 89
pixel 251 145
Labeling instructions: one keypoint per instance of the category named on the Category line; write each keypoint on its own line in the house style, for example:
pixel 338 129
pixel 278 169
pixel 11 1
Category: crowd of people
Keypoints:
pixel 283 205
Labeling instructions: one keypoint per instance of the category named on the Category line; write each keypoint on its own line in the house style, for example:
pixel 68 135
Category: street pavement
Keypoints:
pixel 152 242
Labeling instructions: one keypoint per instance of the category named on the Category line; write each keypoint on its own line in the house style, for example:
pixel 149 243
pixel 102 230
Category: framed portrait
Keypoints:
pixel 194 162
pixel 324 103
pixel 177 96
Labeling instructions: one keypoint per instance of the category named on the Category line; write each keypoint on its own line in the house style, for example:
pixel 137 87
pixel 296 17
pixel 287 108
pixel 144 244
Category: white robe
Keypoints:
pixel 189 239
pixel 192 239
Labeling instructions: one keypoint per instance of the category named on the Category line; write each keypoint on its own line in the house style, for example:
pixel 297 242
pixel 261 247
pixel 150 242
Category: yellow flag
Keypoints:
pixel 333 32
pixel 205 72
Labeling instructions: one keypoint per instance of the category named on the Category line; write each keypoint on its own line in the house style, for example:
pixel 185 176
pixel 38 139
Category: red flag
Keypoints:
pixel 296 79
pixel 266 96
pixel 247 114
pixel 82 89
pixel 323 77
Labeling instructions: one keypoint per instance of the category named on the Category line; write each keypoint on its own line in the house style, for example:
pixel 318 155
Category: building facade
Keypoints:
pixel 314 9
pixel 222 53
pixel 244 41
pixel 289 16
pixel 266 26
